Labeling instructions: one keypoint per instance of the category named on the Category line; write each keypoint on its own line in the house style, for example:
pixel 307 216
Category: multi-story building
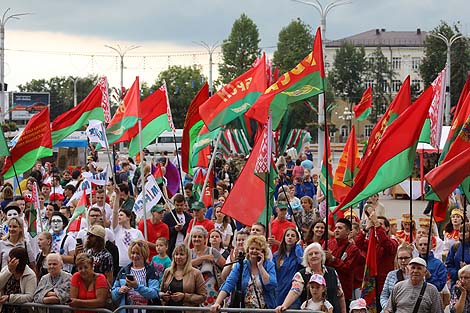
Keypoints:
pixel 403 49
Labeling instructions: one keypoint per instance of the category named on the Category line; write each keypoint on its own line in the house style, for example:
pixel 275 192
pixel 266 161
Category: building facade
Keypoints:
pixel 403 49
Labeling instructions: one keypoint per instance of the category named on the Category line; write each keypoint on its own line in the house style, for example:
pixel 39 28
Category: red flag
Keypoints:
pixel 347 167
pixel 368 288
pixel 34 143
pixel 447 176
pixel 76 219
pixel 247 199
pixel 399 104
pixel 364 107
pixel 192 125
pixel 126 115
pixel 103 83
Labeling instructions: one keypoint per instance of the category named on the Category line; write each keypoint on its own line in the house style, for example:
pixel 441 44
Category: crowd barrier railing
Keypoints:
pixel 151 308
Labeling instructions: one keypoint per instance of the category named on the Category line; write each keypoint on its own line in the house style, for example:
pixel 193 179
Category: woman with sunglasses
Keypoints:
pixel 404 256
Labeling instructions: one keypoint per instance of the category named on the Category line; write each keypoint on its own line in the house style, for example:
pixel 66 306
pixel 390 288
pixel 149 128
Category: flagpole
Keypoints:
pixel 268 178
pixel 464 228
pixel 16 176
pixel 327 174
pixel 113 168
pixel 411 210
pixel 430 230
pixel 211 164
pixel 178 161
pixel 142 181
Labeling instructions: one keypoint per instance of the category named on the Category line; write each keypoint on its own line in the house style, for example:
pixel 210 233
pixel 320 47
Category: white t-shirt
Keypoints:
pixel 180 236
pixel 227 232
pixel 315 306
pixel 69 245
pixel 123 243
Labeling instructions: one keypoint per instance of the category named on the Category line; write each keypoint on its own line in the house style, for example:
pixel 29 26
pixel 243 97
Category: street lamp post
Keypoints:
pixel 3 22
pixel 323 11
pixel 210 49
pixel 75 80
pixel 122 52
pixel 448 42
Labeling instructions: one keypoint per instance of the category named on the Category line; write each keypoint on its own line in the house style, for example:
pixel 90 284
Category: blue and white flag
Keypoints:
pixel 153 194
pixel 95 132
pixel 99 178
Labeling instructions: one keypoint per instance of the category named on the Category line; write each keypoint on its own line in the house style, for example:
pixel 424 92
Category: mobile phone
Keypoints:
pixel 79 241
pixel 130 277
pixel 259 258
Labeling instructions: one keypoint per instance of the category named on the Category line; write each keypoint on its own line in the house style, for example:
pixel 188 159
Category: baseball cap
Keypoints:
pixel 282 205
pixel 317 278
pixel 97 230
pixel 198 205
pixel 358 304
pixel 419 261
pixel 157 208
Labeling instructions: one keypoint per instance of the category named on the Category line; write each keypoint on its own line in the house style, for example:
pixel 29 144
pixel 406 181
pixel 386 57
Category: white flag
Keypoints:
pixel 84 185
pixel 100 178
pixel 95 132
pixel 153 194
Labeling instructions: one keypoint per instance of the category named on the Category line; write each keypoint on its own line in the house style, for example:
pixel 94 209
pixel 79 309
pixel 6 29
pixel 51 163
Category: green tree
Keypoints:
pixel 240 49
pixel 182 83
pixel 435 58
pixel 381 74
pixel 61 91
pixel 348 70
pixel 294 43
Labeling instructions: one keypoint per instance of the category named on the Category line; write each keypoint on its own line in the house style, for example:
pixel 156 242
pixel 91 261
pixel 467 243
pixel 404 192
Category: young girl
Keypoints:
pixel 317 289
pixel 358 306
pixel 215 241
pixel 161 261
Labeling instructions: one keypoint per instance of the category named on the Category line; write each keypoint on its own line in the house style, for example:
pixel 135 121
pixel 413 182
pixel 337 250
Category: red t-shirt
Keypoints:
pixel 83 293
pixel 277 230
pixel 207 224
pixel 154 231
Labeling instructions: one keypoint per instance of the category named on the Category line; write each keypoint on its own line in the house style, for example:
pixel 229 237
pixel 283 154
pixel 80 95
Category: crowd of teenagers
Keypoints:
pixel 194 255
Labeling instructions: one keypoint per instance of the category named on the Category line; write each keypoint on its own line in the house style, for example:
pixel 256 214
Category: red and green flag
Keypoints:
pixel 33 212
pixel 203 140
pixel 392 161
pixel 157 173
pixel 302 82
pixel 154 120
pixel 399 104
pixel 4 150
pixel 326 173
pixel 447 176
pixel 348 166
pixel 89 109
pixel 34 143
pixel 251 182
pixel 364 107
pixel 235 98
pixel 199 183
pixel 192 125
pixel 75 221
pixel 369 288
pixel 126 115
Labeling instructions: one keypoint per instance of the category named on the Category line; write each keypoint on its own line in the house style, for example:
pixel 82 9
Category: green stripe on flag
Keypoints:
pixel 117 130
pixel 27 161
pixel 149 133
pixel 60 134
pixel 364 114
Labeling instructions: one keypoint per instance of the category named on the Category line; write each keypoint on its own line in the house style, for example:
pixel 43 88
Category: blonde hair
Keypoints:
pixel 142 246
pixel 20 223
pixel 84 258
pixel 258 240
pixel 188 266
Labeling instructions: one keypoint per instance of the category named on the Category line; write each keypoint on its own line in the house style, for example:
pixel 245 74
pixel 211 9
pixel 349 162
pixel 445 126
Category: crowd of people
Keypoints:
pixel 194 255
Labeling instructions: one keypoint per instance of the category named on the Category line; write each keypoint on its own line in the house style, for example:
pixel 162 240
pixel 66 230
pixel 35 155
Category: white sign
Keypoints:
pixel 153 194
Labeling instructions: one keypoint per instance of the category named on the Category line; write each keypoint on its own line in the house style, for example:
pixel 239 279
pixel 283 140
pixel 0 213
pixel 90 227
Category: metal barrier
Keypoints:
pixel 152 308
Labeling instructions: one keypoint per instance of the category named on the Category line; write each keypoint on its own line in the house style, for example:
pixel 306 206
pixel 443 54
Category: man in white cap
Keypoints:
pixel 414 295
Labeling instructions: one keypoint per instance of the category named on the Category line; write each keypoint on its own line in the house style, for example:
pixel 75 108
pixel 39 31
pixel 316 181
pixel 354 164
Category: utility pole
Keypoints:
pixel 3 21
pixel 122 52
pixel 210 49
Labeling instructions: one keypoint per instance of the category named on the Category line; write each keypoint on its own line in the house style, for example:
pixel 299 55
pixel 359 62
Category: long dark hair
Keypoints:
pixel 309 236
pixel 283 246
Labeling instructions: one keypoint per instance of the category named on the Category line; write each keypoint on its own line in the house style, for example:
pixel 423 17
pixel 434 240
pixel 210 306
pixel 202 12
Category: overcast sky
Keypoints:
pixel 67 37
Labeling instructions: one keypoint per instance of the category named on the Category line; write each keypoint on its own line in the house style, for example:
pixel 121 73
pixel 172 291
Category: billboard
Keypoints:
pixel 23 105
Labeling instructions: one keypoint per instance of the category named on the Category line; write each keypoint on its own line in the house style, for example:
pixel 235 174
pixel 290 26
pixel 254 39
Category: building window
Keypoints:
pixel 368 130
pixel 369 83
pixel 415 63
pixel 396 63
pixel 417 83
pixel 344 131
pixel 396 84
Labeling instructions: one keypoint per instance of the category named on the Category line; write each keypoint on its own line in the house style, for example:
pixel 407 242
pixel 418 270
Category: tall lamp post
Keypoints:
pixel 210 49
pixel 75 80
pixel 448 42
pixel 323 11
pixel 122 52
pixel 3 21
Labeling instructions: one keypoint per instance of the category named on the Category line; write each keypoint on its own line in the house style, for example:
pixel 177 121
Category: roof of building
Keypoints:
pixel 381 37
